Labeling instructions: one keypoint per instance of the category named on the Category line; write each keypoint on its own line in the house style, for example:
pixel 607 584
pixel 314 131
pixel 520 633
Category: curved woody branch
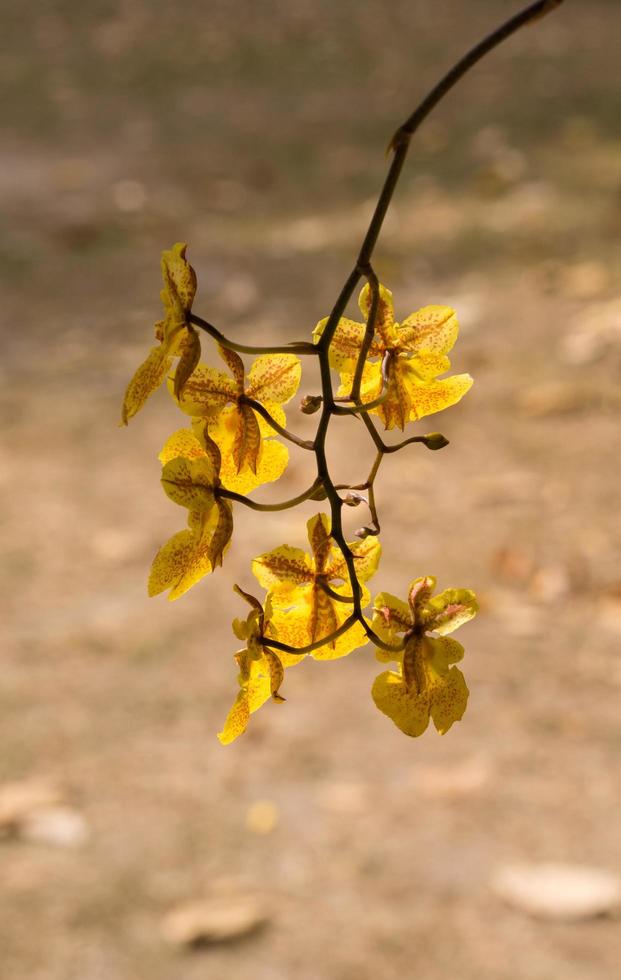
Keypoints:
pixel 399 145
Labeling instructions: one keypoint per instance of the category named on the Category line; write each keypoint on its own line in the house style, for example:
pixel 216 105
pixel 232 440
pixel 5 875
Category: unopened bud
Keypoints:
pixel 354 499
pixel 310 404
pixel 364 532
pixel 435 440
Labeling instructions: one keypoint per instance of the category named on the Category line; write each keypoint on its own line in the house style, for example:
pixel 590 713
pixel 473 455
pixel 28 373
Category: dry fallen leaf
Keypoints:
pixel 559 891
pixel 215 920
pixel 35 810
pixel 20 800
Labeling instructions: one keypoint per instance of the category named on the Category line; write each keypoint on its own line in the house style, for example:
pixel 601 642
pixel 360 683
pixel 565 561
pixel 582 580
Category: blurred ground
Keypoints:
pixel 255 131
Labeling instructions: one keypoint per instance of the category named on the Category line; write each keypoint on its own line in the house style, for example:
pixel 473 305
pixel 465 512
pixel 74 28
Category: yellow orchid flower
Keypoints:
pixel 190 477
pixel 250 454
pixel 260 669
pixel 297 584
pixel 425 685
pixel 416 353
pixel 176 335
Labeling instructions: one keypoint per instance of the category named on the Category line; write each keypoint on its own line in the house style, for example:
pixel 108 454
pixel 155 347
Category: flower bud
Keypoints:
pixel 354 499
pixel 435 440
pixel 310 404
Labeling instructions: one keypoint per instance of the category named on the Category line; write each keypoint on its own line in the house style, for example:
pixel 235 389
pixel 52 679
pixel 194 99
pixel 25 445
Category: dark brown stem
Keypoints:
pixel 400 145
pixel 277 645
pixel 263 412
pixel 368 334
pixel 297 347
pixel 283 505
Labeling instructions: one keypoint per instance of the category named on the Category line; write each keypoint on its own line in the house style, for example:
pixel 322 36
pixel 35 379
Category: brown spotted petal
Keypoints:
pixel 247 439
pixel 413 665
pixel 419 593
pixel 178 274
pixel 222 532
pixel 318 528
pixel 449 610
pixel 274 378
pixel 282 571
pixel 384 321
pixel 323 619
pixel 276 671
pixel 235 365
pixel 188 362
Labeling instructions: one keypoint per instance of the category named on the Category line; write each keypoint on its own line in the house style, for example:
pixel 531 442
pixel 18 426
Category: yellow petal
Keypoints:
pixel 190 482
pixel 273 459
pixel 277 414
pixel 179 564
pixel 183 442
pixel 206 392
pixel 372 382
pixel 346 343
pixel 282 570
pixel 236 720
pixel 427 367
pixel 432 329
pixel 344 589
pixel 178 270
pixel 271 463
pixel 175 321
pixel 353 639
pixel 385 312
pixel 259 685
pixel 441 652
pixel 435 396
pixel 406 708
pixel 274 377
pixel 449 610
pixel 366 560
pixel 146 380
pixel 396 409
pixel 256 690
pixel 391 617
pixel 290 628
pixel 449 700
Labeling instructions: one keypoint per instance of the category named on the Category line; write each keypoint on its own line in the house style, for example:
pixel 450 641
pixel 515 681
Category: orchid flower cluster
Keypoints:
pixel 316 603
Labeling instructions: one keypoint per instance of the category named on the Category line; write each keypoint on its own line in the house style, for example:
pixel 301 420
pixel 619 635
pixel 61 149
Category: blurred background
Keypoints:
pixel 324 843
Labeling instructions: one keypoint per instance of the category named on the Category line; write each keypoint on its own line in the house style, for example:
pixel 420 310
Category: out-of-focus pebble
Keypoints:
pixel 262 817
pixel 59 826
